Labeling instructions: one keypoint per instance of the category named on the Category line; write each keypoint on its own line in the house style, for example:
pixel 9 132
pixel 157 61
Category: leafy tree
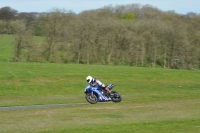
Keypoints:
pixel 7 13
pixel 128 16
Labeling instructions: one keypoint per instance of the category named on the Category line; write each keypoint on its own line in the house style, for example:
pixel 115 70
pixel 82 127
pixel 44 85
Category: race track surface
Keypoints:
pixel 40 106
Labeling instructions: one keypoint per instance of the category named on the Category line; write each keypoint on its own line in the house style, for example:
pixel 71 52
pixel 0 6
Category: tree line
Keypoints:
pixel 134 35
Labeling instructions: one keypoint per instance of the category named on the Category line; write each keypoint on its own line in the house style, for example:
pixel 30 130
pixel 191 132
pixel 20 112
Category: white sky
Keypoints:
pixel 179 6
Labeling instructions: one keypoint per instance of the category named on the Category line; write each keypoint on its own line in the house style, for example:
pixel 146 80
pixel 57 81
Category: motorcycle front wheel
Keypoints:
pixel 91 99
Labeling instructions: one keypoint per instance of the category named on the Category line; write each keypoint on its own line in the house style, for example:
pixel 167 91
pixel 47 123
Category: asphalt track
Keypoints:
pixel 40 106
pixel 44 106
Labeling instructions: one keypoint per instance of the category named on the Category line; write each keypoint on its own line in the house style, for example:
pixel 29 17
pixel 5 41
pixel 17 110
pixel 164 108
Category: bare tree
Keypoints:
pixel 23 40
pixel 54 23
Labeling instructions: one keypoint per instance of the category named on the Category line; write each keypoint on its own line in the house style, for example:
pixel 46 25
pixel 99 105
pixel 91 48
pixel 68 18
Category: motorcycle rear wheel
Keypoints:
pixel 117 97
pixel 91 99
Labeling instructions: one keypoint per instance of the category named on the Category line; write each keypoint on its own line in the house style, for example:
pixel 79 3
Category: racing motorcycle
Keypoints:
pixel 94 94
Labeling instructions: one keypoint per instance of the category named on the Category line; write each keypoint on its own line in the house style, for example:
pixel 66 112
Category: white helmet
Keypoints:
pixel 89 79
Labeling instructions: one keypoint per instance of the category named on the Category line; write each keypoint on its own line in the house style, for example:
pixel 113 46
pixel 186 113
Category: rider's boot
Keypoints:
pixel 107 90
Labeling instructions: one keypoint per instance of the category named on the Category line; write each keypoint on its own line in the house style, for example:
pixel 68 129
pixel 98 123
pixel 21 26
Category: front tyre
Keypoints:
pixel 116 97
pixel 91 99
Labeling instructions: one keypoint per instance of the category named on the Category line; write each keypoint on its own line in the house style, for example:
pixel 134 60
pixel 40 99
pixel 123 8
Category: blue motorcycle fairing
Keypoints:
pixel 98 91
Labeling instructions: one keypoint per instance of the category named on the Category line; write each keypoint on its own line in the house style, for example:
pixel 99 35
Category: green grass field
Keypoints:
pixel 154 100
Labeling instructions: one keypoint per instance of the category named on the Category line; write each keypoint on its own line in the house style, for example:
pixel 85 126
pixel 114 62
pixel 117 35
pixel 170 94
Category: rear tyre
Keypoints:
pixel 91 99
pixel 116 97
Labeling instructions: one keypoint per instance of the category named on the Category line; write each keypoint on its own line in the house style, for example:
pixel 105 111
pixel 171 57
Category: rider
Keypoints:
pixel 93 81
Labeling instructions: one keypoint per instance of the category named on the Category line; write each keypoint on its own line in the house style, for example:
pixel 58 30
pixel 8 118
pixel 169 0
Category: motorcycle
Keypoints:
pixel 94 94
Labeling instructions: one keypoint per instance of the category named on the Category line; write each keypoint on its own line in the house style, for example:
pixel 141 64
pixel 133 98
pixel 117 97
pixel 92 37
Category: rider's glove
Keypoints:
pixel 103 86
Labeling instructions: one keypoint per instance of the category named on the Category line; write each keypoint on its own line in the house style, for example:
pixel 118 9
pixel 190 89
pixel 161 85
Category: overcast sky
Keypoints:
pixel 179 6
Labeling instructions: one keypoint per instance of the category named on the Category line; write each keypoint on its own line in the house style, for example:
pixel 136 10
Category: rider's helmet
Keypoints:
pixel 89 79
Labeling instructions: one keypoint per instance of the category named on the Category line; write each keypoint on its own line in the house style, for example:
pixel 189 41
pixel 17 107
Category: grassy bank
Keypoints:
pixel 6 47
pixel 154 100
